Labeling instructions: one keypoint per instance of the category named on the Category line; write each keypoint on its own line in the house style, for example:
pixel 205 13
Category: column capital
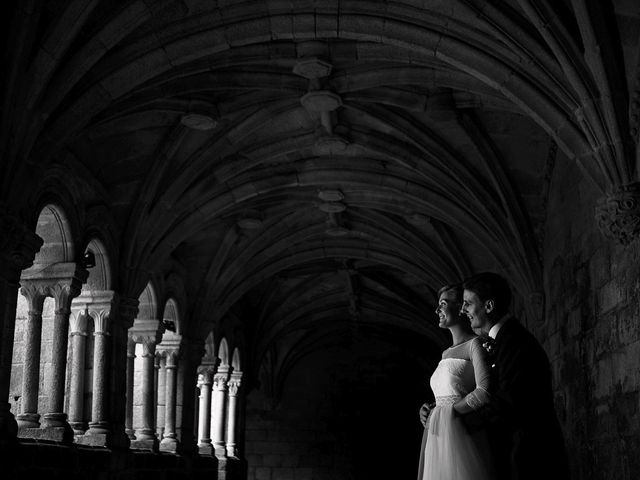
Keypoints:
pixel 235 381
pixel 618 213
pixel 62 281
pixel 35 295
pixel 221 377
pixel 78 322
pixel 147 332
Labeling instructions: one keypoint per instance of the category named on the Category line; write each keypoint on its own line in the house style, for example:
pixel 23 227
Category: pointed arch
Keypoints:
pixel 148 303
pixel 54 228
pixel 100 275
pixel 171 316
pixel 223 352
pixel 235 360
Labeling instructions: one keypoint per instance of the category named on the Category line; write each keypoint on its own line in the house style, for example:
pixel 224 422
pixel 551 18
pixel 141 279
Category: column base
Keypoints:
pixel 101 438
pixel 145 444
pixel 206 449
pixel 169 444
pixel 79 428
pixel 28 420
pixel 55 420
pixel 220 450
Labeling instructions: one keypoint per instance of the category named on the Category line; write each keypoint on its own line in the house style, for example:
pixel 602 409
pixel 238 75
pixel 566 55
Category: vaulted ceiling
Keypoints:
pixel 315 168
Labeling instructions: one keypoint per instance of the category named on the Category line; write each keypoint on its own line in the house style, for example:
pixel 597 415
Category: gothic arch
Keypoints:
pixel 148 303
pixel 223 352
pixel 100 275
pixel 55 229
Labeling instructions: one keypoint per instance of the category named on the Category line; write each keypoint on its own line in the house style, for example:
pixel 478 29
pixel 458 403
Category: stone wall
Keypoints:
pixel 592 332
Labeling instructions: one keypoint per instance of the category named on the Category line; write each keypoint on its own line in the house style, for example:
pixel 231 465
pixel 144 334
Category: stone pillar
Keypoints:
pixel 218 423
pixel 55 420
pixel 131 358
pixel 160 382
pixel 18 246
pixel 100 429
pixel 205 381
pixel 169 442
pixel 76 371
pixel 148 333
pixel 29 418
pixel 232 413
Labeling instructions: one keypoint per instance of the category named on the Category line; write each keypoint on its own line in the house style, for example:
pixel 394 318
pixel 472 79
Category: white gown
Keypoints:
pixel 449 452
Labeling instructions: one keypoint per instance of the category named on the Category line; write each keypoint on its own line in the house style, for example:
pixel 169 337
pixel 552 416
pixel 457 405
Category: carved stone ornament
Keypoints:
pixel 618 214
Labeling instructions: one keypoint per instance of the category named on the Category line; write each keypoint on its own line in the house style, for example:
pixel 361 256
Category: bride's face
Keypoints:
pixel 448 309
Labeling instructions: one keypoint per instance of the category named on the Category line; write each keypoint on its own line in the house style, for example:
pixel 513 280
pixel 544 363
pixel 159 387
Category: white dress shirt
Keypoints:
pixel 493 332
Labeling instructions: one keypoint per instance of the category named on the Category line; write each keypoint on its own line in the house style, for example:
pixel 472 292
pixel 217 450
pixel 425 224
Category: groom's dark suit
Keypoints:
pixel 520 418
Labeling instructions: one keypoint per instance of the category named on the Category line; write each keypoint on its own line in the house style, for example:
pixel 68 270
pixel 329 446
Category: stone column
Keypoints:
pixel 76 371
pixel 205 380
pixel 218 416
pixel 232 413
pixel 29 418
pixel 100 430
pixel 55 420
pixel 18 246
pixel 147 333
pixel 169 442
pixel 160 392
pixel 131 358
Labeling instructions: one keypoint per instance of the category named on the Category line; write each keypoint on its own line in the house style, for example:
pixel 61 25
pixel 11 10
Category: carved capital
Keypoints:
pixel 78 322
pixel 63 293
pixel 99 304
pixel 205 374
pixel 618 214
pixel 148 342
pixel 35 294
pixel 221 377
pixel 234 383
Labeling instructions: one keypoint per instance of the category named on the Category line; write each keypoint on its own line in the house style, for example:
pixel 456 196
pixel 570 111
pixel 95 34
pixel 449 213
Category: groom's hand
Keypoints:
pixel 425 410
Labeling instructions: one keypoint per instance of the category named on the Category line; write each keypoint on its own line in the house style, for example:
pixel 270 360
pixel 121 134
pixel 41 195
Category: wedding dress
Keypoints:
pixel 449 452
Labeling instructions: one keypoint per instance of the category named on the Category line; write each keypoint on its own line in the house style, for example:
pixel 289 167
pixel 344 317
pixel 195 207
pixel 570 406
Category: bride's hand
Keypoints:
pixel 425 410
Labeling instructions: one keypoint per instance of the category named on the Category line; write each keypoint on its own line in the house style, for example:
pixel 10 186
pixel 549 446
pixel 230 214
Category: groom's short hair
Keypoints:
pixel 490 286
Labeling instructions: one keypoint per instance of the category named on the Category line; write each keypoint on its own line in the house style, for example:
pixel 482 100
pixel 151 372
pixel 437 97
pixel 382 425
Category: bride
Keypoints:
pixel 460 384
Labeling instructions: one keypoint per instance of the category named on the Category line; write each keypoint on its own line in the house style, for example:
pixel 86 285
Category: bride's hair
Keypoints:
pixel 458 291
pixel 453 287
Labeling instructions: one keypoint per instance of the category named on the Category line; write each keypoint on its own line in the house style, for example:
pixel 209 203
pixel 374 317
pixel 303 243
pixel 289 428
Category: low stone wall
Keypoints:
pixel 40 459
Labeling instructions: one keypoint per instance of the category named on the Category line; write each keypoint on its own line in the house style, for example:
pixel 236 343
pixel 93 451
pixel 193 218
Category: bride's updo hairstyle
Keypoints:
pixel 456 288
pixel 490 286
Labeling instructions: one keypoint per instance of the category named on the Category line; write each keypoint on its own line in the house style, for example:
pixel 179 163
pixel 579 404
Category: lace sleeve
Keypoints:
pixel 482 371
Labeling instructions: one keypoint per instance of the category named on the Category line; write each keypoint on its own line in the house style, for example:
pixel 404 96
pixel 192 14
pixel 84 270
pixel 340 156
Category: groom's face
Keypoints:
pixel 476 310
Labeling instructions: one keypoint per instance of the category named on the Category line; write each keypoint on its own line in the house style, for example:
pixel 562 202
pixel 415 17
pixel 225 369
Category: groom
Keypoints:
pixel 523 428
